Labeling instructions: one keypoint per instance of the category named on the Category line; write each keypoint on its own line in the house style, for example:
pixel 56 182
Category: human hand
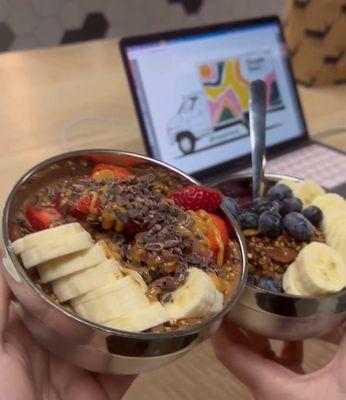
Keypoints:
pixel 30 372
pixel 250 358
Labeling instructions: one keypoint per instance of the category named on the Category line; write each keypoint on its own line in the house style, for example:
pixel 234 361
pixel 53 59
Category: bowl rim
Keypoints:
pixel 274 177
pixel 99 327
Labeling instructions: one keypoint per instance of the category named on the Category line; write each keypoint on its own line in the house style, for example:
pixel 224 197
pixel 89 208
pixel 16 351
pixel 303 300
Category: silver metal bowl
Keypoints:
pixel 76 340
pixel 279 315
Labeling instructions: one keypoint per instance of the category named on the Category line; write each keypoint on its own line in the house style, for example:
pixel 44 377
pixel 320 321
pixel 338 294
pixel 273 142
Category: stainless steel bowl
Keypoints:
pixel 76 340
pixel 279 315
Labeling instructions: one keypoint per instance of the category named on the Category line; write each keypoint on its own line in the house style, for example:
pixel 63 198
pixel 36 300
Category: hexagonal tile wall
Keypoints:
pixel 48 30
pixel 6 36
pixel 25 42
pixel 72 14
pixel 191 6
pixel 22 19
pixel 36 23
pixel 5 9
pixel 46 8
pixel 96 6
pixel 95 26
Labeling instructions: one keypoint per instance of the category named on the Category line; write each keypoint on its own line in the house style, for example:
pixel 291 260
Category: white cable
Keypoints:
pixel 66 132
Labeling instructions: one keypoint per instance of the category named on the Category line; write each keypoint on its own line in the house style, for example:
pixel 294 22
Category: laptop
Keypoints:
pixel 191 92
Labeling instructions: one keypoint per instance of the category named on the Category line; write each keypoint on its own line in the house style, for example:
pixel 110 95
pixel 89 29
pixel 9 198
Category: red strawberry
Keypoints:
pixel 119 172
pixel 196 197
pixel 41 217
pixel 83 207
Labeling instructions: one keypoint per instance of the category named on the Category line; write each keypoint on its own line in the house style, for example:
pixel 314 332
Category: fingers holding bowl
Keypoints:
pixel 4 303
pixel 292 354
pixel 248 357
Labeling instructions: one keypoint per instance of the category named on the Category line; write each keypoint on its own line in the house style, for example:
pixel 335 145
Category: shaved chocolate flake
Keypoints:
pixel 170 243
pixel 153 246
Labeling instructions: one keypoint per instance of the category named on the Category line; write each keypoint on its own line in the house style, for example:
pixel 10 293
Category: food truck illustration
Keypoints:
pixel 222 102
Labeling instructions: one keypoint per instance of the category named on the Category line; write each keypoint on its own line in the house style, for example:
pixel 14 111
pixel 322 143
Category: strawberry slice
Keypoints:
pixel 133 228
pixel 85 206
pixel 196 198
pixel 221 226
pixel 63 205
pixel 118 172
pixel 42 217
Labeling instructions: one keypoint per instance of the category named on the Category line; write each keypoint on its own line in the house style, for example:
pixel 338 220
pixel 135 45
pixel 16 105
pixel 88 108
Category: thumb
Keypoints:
pixel 335 335
pixel 116 386
pixel 246 361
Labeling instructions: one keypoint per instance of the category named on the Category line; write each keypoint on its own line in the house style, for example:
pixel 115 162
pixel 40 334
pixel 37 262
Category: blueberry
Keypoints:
pixel 269 224
pixel 277 205
pixel 248 220
pixel 293 204
pixel 280 192
pixel 251 280
pixel 260 204
pixel 298 226
pixel 231 205
pixel 313 214
pixel 270 284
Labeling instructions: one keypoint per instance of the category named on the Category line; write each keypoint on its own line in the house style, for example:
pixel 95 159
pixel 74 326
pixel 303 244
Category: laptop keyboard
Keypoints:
pixel 326 166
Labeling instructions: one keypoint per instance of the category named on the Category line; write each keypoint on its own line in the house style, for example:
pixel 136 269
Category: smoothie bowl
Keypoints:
pixel 119 263
pixel 296 243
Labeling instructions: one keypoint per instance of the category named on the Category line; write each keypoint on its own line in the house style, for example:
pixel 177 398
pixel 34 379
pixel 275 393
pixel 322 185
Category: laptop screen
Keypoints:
pixel 192 93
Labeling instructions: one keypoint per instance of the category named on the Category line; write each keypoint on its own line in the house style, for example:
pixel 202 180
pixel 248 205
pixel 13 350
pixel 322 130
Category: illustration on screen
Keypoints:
pixel 218 112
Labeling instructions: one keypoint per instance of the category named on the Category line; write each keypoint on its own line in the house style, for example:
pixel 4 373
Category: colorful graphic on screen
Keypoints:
pixel 218 112
pixel 227 89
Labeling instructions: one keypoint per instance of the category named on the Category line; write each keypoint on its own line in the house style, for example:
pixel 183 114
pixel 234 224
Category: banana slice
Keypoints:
pixel 329 201
pixel 333 207
pixel 107 288
pixel 321 269
pixel 136 276
pixel 44 237
pixel 82 282
pixel 307 191
pixel 291 283
pixel 63 266
pixel 140 319
pixel 61 246
pixel 197 297
pixel 333 225
pixel 119 298
pixel 339 244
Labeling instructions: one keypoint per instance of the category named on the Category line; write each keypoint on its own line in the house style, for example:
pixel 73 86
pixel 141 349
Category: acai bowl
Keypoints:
pixel 296 241
pixel 119 263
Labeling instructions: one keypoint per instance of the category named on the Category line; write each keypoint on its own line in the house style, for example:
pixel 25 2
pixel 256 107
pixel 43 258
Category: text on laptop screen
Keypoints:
pixel 194 93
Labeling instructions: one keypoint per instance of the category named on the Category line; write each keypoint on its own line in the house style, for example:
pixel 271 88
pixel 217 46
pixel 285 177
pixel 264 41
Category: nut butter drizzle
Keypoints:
pixel 204 224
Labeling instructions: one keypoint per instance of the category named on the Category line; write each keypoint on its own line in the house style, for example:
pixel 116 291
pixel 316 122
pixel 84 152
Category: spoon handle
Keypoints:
pixel 257 110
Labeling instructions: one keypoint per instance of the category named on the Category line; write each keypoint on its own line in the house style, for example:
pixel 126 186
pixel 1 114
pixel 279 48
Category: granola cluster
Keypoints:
pixel 271 257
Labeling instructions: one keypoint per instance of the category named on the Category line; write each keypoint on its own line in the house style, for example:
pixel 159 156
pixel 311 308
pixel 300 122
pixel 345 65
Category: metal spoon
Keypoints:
pixel 257 111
